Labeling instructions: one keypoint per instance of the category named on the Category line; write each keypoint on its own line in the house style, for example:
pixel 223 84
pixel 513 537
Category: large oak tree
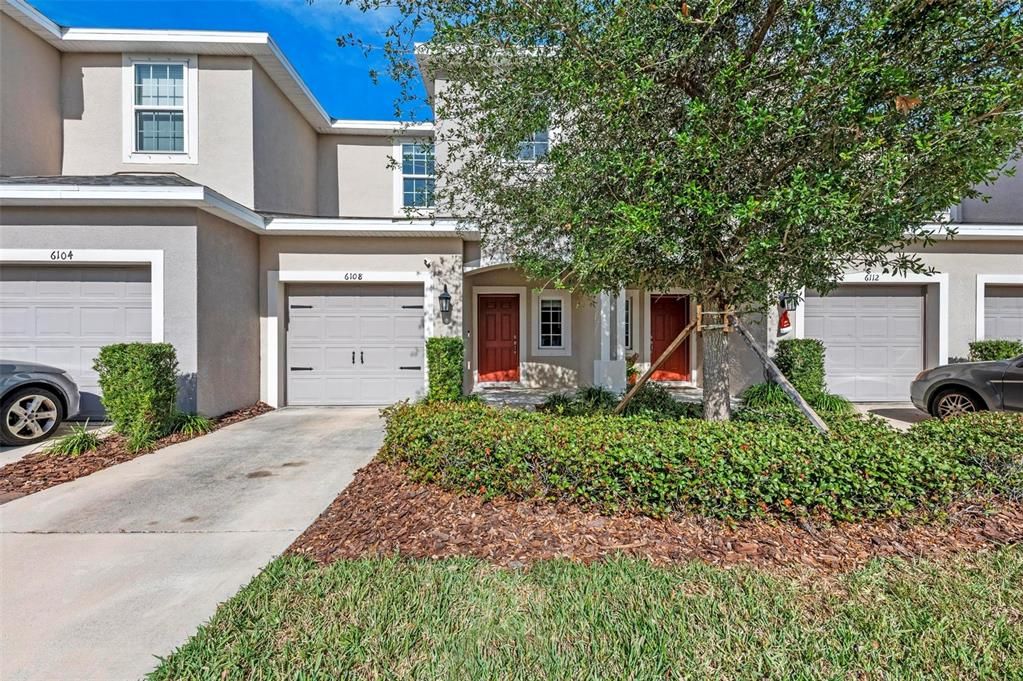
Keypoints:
pixel 737 148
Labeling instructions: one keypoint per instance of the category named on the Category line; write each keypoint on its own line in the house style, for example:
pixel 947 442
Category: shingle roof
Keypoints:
pixel 115 180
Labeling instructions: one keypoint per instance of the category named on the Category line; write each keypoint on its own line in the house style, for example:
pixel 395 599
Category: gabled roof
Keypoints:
pixel 258 45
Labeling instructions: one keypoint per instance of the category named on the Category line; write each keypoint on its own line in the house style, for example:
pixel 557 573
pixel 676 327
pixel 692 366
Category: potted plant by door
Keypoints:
pixel 631 371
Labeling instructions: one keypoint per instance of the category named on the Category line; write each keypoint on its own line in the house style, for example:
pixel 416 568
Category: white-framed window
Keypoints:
pixel 630 322
pixel 415 177
pixel 552 323
pixel 534 147
pixel 160 108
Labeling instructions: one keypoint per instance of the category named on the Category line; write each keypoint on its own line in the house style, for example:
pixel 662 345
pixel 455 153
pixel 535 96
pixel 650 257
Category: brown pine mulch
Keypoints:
pixel 382 512
pixel 40 470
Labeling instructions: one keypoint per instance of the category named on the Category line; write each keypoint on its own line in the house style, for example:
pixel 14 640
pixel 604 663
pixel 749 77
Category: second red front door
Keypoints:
pixel 498 329
pixel 668 316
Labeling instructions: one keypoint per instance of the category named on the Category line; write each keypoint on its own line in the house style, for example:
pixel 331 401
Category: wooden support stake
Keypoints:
pixel 778 377
pixel 679 339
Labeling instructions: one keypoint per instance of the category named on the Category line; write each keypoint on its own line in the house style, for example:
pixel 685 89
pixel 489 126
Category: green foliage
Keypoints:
pixel 725 470
pixel 78 441
pixel 139 384
pixel 445 360
pixel 770 396
pixel 990 350
pixel 802 362
pixel 654 401
pixel 193 424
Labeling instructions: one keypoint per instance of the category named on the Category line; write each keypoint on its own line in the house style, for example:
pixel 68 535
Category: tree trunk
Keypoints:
pixel 778 377
pixel 717 404
pixel 679 339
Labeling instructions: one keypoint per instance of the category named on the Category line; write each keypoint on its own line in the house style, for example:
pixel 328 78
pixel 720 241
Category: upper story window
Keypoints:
pixel 417 176
pixel 534 147
pixel 160 109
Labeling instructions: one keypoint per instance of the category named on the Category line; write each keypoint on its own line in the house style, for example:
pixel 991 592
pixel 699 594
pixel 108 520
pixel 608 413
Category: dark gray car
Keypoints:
pixel 34 400
pixel 971 386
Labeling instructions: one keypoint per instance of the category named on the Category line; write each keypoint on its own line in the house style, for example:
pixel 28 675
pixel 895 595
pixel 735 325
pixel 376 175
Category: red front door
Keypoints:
pixel 668 316
pixel 498 329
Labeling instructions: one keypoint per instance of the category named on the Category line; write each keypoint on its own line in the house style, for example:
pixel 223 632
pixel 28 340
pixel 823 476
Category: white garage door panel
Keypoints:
pixel 354 344
pixel 873 338
pixel 1003 312
pixel 62 315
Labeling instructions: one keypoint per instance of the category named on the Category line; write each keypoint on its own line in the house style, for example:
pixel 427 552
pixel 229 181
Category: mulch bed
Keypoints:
pixel 383 513
pixel 39 470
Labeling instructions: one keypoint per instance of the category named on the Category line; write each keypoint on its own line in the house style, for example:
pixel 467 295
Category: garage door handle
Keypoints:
pixel 412 307
pixel 411 368
pixel 362 358
pixel 353 356
pixel 301 307
pixel 301 368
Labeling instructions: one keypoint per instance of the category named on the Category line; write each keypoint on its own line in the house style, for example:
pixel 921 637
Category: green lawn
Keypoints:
pixel 462 619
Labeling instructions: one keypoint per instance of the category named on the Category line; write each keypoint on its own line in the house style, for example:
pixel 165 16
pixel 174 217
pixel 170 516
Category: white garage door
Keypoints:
pixel 1003 312
pixel 354 343
pixel 62 316
pixel 873 338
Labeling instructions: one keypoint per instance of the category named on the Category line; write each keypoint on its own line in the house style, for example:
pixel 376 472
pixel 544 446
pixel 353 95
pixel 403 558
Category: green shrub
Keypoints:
pixel 445 358
pixel 992 350
pixel 802 362
pixel 597 399
pixel 78 441
pixel 192 424
pixel 140 390
pixel 726 470
pixel 656 402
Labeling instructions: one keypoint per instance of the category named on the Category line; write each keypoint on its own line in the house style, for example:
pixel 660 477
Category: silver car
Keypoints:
pixel 970 386
pixel 34 400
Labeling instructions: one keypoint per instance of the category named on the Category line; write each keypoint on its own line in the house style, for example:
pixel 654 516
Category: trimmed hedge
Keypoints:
pixel 993 350
pixel 445 358
pixel 140 389
pixel 802 362
pixel 724 470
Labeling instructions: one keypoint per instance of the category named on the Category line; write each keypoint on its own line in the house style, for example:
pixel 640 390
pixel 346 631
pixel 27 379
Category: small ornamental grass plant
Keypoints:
pixel 76 442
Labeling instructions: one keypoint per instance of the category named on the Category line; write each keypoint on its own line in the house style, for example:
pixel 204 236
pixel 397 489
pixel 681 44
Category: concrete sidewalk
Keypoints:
pixel 101 575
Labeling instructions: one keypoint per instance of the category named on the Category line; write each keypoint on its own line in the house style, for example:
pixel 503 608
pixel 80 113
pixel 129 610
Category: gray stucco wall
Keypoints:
pixel 30 127
pixel 168 229
pixel 93 98
pixel 1004 206
pixel 362 184
pixel 284 151
pixel 227 311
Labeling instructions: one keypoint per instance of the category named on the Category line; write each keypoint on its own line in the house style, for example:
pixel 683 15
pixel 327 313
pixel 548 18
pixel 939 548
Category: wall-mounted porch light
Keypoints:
pixel 789 301
pixel 445 305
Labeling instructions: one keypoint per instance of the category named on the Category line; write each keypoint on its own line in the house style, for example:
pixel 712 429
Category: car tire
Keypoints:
pixel 29 415
pixel 953 402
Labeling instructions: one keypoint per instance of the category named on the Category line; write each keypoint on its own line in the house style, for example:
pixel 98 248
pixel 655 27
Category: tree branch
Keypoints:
pixel 756 41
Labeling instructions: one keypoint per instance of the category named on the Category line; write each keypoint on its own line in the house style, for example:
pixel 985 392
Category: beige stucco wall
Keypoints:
pixel 227 312
pixel 284 151
pixel 355 179
pixel 92 111
pixel 440 259
pixel 171 230
pixel 30 128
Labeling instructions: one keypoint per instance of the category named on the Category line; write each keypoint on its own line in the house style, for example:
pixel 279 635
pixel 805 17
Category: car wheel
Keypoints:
pixel 953 403
pixel 29 415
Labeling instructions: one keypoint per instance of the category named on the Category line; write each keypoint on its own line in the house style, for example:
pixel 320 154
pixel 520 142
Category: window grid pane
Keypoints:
pixel 417 169
pixel 550 324
pixel 159 84
pixel 160 130
pixel 534 147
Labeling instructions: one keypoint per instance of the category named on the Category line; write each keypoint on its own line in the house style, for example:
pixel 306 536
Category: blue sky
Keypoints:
pixel 306 32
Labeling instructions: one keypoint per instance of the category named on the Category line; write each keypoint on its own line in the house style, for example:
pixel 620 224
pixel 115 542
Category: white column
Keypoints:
pixel 620 326
pixel 607 372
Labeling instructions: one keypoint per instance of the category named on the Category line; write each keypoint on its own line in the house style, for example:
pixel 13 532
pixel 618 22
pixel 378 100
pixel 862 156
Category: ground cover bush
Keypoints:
pixel 651 401
pixel 991 350
pixel 735 469
pixel 140 389
pixel 444 359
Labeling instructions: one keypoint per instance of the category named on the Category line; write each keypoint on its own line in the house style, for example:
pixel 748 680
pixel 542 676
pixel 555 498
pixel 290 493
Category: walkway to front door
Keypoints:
pixel 498 338
pixel 668 316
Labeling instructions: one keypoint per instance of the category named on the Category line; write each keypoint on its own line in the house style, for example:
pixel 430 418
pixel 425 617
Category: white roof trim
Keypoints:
pixel 258 45
pixel 977 230
pixel 369 227
pixel 388 128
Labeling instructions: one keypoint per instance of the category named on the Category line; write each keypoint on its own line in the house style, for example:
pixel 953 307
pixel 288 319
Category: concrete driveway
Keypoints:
pixel 100 575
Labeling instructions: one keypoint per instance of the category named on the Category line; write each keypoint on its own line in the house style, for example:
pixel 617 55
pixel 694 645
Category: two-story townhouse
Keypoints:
pixel 186 186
